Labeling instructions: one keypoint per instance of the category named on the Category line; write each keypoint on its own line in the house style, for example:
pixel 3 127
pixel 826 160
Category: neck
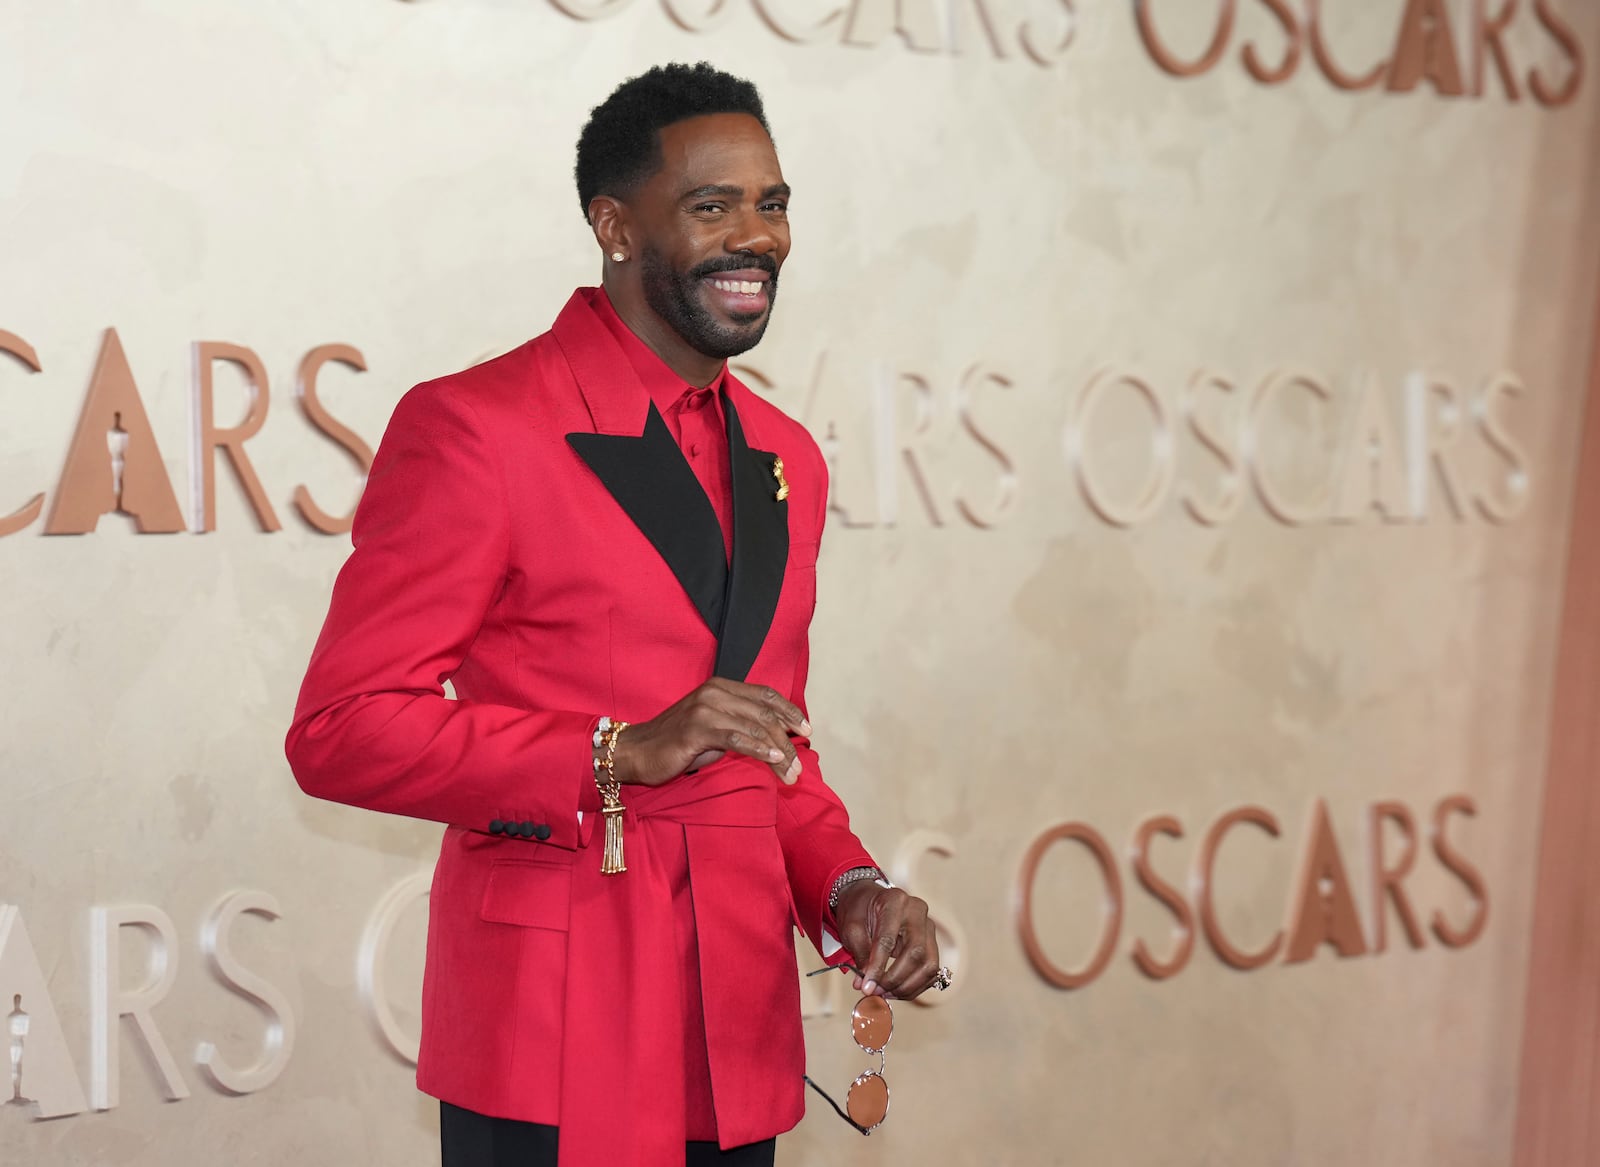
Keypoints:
pixel 688 363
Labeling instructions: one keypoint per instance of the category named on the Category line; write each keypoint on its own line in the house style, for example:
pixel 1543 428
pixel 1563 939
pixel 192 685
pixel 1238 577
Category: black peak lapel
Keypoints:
pixel 651 481
pixel 760 552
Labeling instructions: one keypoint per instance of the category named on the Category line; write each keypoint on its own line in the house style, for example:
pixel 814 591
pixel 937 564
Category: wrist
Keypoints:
pixel 619 764
pixel 620 755
pixel 610 753
pixel 622 761
pixel 852 881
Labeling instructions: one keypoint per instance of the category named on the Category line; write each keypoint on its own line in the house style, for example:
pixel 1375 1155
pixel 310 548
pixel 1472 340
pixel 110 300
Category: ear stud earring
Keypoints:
pixel 619 257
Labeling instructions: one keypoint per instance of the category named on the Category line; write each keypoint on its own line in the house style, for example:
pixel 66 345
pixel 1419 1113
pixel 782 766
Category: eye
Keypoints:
pixel 708 209
pixel 775 208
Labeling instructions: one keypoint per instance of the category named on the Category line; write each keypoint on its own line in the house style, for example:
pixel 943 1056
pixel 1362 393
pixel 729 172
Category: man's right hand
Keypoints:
pixel 718 717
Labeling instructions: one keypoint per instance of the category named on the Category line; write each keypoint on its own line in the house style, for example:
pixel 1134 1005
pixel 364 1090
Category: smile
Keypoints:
pixel 743 296
pixel 740 287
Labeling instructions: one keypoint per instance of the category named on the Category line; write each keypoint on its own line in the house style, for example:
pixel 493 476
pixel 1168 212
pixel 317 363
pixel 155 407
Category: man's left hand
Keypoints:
pixel 890 937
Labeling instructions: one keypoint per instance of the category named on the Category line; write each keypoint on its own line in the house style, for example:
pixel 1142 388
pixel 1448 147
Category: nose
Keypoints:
pixel 754 232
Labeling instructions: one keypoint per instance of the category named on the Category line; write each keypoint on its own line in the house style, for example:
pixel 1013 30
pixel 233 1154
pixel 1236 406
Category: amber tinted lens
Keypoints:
pixel 867 1104
pixel 871 1023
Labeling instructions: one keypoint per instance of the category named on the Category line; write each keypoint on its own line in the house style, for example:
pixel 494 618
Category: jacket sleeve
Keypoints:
pixel 813 825
pixel 373 727
pixel 818 847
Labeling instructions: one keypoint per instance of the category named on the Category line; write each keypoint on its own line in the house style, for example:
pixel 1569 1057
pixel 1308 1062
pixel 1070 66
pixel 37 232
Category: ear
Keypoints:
pixel 608 218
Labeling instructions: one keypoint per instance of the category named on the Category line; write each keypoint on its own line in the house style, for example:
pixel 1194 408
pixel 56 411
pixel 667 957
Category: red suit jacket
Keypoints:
pixel 531 531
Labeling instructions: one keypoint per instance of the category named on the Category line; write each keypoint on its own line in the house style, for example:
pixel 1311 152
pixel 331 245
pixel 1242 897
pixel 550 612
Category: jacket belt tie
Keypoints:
pixel 629 1052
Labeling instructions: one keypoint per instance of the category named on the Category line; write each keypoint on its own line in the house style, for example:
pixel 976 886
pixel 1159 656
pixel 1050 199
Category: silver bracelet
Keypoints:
pixel 854 875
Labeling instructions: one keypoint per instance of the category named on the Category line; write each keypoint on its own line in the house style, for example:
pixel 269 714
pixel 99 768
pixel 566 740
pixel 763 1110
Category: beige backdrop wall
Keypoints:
pixel 1145 339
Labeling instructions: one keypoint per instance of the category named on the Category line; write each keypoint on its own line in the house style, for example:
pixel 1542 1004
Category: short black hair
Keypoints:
pixel 620 146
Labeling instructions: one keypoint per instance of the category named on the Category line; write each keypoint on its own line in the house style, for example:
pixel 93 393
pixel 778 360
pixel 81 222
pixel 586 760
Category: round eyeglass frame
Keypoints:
pixel 859 1024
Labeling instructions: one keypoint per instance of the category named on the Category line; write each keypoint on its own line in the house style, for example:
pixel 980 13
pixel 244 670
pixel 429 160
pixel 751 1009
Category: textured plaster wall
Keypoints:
pixel 974 239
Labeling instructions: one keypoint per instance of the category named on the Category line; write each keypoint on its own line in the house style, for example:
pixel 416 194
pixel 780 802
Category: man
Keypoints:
pixel 605 527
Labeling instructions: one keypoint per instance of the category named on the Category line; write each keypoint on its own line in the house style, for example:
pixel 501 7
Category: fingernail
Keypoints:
pixel 793 772
pixel 805 728
pixel 870 988
pixel 774 755
pixel 858 984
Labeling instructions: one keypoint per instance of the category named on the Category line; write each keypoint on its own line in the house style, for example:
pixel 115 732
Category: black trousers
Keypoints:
pixel 470 1139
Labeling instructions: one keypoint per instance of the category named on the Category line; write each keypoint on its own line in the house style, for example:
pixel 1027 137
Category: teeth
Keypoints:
pixel 742 287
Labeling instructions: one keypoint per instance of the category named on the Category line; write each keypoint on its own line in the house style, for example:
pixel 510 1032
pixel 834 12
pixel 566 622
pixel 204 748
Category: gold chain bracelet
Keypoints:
pixel 611 859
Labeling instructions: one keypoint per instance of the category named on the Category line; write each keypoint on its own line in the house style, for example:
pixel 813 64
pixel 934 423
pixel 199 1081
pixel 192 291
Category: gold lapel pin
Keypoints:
pixel 783 484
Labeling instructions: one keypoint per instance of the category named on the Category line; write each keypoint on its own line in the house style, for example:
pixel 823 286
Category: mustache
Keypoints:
pixel 745 261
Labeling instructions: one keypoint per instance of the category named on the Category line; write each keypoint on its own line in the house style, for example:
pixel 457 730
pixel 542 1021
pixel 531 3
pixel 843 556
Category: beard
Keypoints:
pixel 676 297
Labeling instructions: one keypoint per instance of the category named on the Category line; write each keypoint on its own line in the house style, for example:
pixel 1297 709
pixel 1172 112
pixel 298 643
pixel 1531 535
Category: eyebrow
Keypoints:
pixel 724 190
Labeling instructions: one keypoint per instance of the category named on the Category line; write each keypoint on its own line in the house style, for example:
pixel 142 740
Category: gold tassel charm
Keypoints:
pixel 611 863
pixel 605 779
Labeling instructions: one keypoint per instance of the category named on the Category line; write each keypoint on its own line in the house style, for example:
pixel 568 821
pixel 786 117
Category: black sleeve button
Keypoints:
pixel 527 830
pixel 541 831
pixel 496 827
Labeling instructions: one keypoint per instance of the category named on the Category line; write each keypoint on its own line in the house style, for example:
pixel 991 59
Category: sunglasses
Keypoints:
pixel 866 1104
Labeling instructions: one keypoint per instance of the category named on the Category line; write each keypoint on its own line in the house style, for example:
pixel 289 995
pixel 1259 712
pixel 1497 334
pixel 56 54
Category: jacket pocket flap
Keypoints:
pixel 532 895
